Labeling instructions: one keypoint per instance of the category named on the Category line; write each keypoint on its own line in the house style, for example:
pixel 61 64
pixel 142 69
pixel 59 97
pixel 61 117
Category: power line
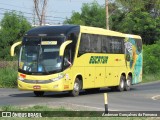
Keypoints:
pixel 14 5
pixel 4 9
pixel 32 18
pixel 48 18
pixel 31 8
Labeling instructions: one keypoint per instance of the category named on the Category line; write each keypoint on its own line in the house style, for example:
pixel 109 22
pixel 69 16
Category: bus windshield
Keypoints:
pixel 40 58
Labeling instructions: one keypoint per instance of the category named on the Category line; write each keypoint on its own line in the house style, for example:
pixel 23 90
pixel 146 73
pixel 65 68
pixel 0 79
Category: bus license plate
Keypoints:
pixel 37 87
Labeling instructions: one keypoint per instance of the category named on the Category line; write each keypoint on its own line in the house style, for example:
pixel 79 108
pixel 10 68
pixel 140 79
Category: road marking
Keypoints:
pixel 156 97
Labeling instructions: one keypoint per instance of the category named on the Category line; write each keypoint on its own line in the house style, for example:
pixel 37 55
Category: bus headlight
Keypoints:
pixel 20 78
pixel 60 76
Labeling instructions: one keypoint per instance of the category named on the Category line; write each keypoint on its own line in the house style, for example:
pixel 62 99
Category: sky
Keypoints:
pixel 57 10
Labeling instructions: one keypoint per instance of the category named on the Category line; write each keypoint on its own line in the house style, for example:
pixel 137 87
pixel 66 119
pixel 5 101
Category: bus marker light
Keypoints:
pixel 116 59
pixel 66 86
pixel 23 75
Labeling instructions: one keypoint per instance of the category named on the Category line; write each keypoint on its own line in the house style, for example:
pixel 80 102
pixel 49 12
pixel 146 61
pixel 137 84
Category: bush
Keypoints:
pixel 13 27
pixel 151 58
pixel 8 77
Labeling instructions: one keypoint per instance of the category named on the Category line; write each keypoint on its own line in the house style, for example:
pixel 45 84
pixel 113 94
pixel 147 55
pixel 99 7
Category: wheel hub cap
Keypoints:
pixel 76 87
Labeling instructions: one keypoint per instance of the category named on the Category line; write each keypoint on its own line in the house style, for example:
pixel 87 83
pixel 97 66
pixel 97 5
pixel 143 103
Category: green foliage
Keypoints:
pixel 140 17
pixel 8 77
pixel 13 27
pixel 140 23
pixel 32 108
pixel 150 6
pixel 151 64
pixel 7 108
pixel 75 19
pixel 92 14
pixel 150 77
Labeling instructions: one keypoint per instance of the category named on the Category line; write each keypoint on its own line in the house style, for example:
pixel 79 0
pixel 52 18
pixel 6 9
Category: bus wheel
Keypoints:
pixel 128 83
pixel 76 88
pixel 39 93
pixel 121 85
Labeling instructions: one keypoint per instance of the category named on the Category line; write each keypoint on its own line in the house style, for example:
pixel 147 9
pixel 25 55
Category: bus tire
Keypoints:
pixel 39 93
pixel 128 83
pixel 76 88
pixel 121 85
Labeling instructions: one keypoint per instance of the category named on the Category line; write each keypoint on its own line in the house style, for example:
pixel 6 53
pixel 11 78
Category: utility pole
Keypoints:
pixel 107 16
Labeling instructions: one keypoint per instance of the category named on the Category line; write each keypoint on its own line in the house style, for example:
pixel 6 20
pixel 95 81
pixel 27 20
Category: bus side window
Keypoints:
pixel 105 44
pixel 104 49
pixel 83 45
pixel 72 46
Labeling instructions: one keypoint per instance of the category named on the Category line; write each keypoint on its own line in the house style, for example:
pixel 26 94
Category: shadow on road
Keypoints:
pixel 66 94
pixel 22 95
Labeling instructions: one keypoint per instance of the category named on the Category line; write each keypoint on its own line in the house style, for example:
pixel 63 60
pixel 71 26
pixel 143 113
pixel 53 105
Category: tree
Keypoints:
pixel 75 19
pixel 13 27
pixel 151 59
pixel 92 14
pixel 150 6
pixel 140 23
pixel 40 10
pixel 138 17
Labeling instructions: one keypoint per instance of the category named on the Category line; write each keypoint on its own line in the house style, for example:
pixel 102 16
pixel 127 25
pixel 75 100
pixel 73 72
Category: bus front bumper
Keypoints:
pixel 53 86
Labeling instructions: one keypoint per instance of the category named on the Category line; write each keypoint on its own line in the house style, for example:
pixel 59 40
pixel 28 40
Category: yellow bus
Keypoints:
pixel 73 58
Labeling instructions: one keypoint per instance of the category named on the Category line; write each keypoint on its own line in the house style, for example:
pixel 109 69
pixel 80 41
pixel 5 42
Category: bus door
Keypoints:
pixel 67 63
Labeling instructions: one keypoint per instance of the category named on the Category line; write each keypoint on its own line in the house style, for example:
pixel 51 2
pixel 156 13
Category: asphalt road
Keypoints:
pixel 142 97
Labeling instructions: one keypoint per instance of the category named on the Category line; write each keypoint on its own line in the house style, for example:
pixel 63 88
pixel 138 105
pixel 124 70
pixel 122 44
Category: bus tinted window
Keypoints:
pixel 139 45
pixel 116 45
pixel 84 44
pixel 91 43
pixel 95 42
pixel 105 45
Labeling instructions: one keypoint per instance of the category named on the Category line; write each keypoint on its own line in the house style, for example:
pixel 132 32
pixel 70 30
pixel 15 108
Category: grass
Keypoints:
pixel 50 111
pixel 30 108
pixel 8 78
pixel 150 78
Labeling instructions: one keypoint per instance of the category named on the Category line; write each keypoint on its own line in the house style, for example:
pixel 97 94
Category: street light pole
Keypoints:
pixel 107 16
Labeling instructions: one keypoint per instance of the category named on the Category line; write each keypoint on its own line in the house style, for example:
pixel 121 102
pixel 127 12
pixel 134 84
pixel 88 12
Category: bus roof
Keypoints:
pixel 95 30
pixel 64 29
pixel 52 30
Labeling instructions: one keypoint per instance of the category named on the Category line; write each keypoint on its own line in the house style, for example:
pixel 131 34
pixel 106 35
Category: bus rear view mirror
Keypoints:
pixel 13 47
pixel 63 46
